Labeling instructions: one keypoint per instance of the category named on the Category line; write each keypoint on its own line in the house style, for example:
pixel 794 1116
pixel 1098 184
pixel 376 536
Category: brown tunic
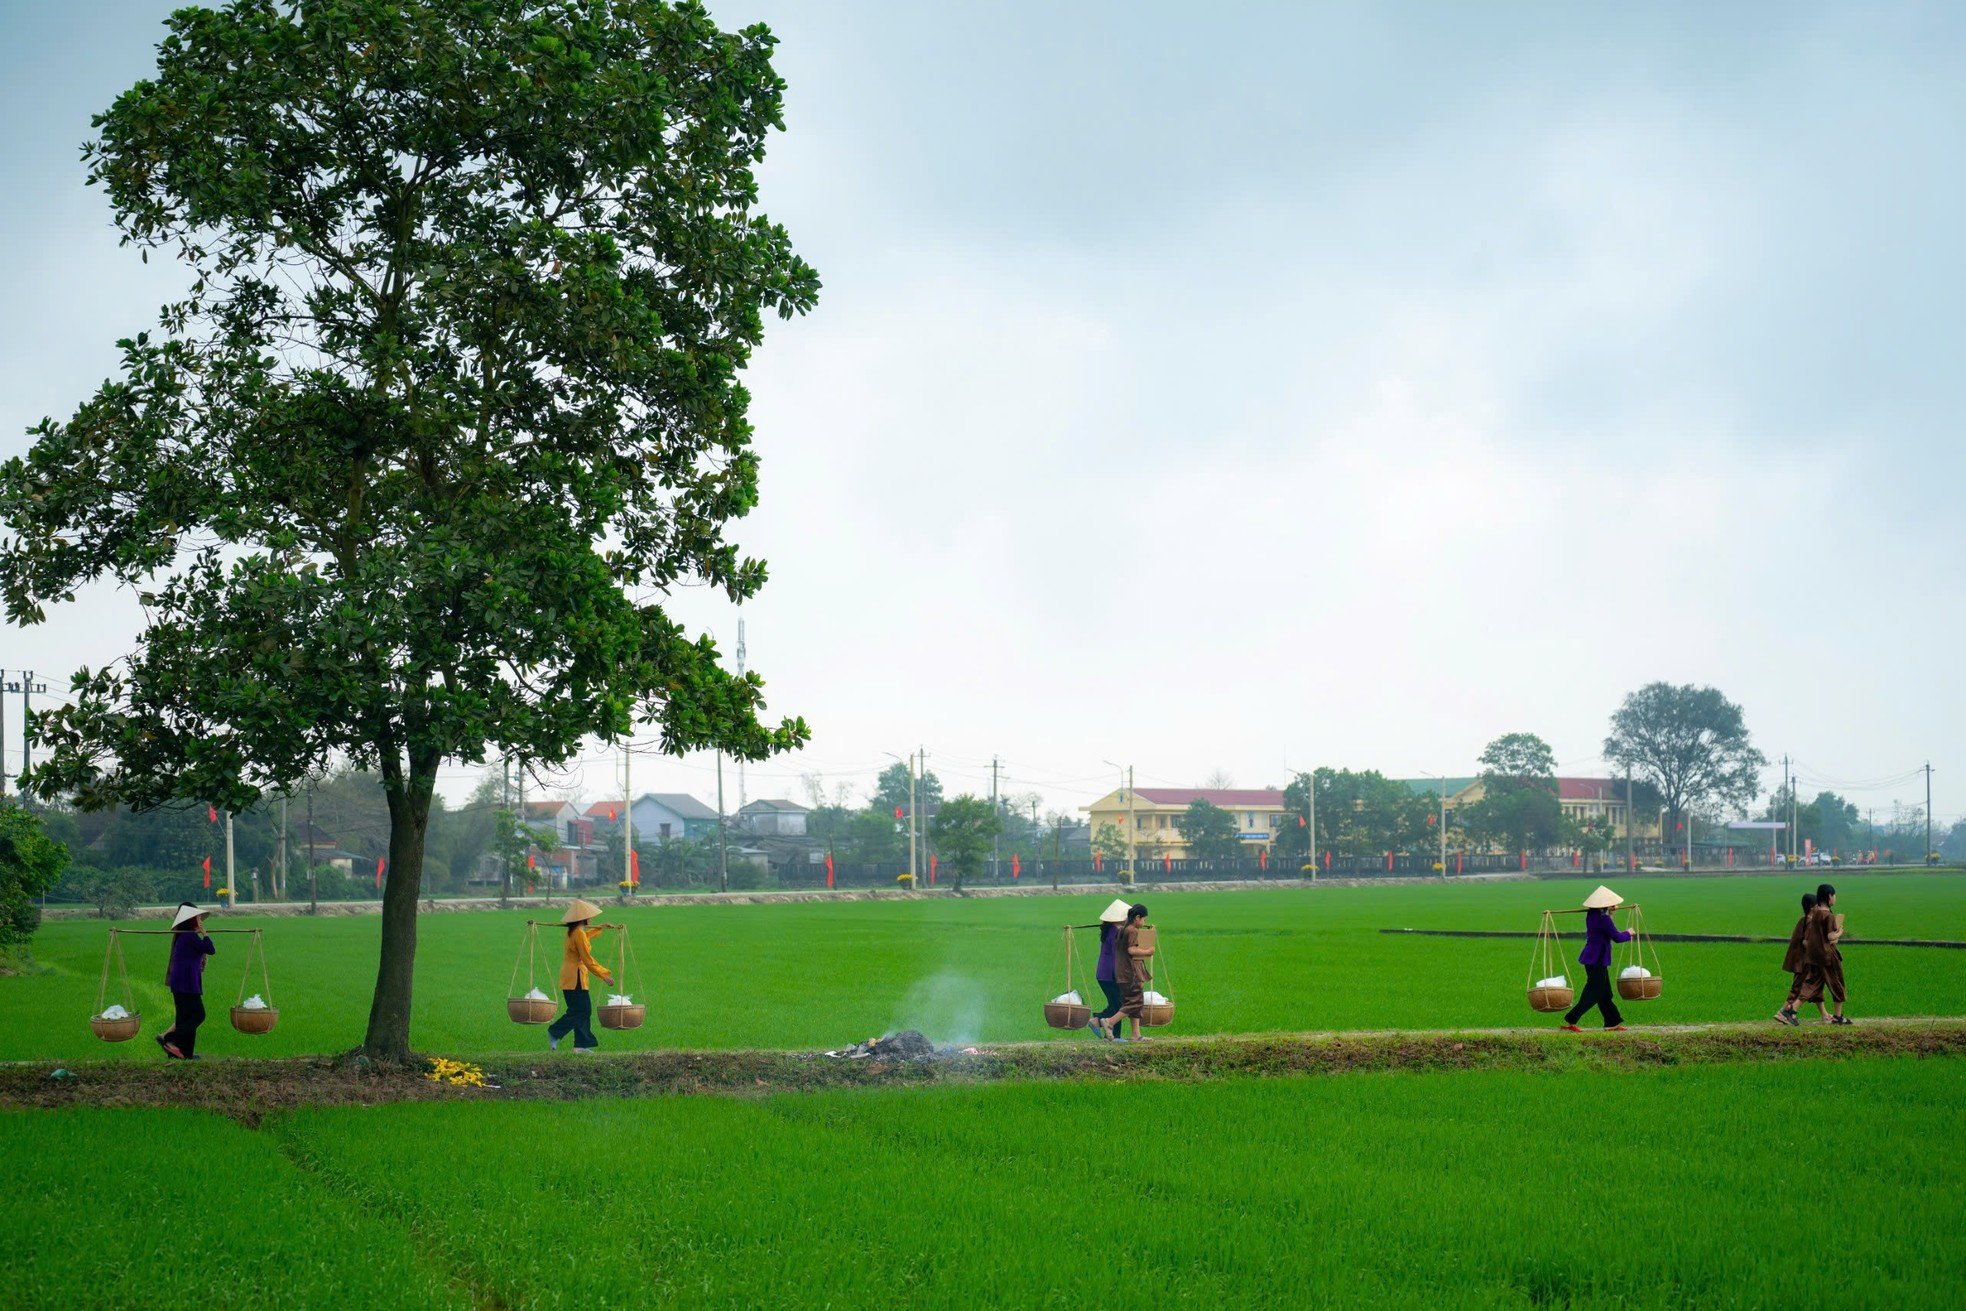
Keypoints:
pixel 1821 969
pixel 1131 973
pixel 1793 958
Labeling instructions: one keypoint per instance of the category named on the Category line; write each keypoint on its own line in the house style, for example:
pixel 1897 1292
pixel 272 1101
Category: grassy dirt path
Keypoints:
pixel 250 1089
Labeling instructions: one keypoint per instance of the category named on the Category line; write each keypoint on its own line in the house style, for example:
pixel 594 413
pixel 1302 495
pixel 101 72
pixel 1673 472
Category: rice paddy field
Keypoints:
pixel 1800 1183
pixel 823 975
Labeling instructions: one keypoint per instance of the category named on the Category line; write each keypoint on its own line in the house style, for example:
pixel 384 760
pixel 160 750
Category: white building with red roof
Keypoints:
pixel 1155 814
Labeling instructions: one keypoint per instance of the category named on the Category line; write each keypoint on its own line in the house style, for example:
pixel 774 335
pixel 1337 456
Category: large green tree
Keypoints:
pixel 1518 809
pixel 30 863
pixel 451 404
pixel 891 790
pixel 1689 743
pixel 1210 831
pixel 963 828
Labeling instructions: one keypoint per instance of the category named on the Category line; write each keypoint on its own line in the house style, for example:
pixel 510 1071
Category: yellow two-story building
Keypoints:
pixel 1156 815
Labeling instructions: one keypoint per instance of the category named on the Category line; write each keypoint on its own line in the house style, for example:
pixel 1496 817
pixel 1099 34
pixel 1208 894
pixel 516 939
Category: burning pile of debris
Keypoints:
pixel 908 1045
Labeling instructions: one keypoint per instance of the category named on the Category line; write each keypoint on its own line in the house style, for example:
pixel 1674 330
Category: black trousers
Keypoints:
pixel 1597 992
pixel 579 1018
pixel 1113 999
pixel 190 1014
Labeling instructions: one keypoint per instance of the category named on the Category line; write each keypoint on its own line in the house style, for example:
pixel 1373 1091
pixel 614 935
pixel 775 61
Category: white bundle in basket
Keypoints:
pixel 1558 982
pixel 1071 998
pixel 537 995
pixel 620 999
pixel 114 1013
pixel 1634 972
pixel 1152 998
pixel 253 1003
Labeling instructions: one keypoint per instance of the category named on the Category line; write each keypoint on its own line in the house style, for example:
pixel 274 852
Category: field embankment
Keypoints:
pixel 252 1088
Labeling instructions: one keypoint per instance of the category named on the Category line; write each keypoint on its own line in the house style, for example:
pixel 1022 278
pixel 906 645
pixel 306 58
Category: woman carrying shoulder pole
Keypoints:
pixel 1131 971
pixel 1792 963
pixel 578 968
pixel 1600 931
pixel 1106 975
pixel 185 977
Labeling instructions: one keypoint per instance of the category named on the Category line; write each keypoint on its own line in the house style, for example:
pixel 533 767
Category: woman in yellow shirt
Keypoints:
pixel 577 968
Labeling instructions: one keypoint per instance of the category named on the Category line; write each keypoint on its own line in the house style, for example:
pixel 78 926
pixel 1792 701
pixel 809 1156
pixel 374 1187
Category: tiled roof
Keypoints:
pixel 765 803
pixel 680 804
pixel 1590 789
pixel 544 807
pixel 603 810
pixel 1421 786
pixel 1227 798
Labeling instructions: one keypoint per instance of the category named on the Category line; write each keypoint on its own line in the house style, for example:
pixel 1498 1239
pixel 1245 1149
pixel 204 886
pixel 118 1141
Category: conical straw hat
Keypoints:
pixel 1115 913
pixel 1603 899
pixel 187 912
pixel 582 909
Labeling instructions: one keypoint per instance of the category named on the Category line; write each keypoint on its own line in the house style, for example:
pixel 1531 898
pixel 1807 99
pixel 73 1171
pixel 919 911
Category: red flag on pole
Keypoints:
pixel 1457 861
pixel 931 871
pixel 1098 861
pixel 1576 860
pixel 208 871
pixel 211 813
pixel 529 861
pixel 378 871
pixel 1525 860
pixel 829 869
pixel 634 869
pixel 1263 857
pixel 1167 864
pixel 900 812
pixel 1389 862
pixel 1016 865
pixel 1327 860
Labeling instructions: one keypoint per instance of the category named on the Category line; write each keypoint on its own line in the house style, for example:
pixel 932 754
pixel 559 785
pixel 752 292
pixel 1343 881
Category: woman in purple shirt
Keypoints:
pixel 1600 931
pixel 185 977
pixel 1105 975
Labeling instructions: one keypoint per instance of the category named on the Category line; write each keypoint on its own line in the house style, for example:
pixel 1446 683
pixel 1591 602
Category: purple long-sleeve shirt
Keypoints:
pixel 186 972
pixel 1108 935
pixel 1600 931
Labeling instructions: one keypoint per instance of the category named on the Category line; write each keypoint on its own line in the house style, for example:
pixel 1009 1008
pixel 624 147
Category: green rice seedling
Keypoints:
pixel 164 1208
pixel 817 975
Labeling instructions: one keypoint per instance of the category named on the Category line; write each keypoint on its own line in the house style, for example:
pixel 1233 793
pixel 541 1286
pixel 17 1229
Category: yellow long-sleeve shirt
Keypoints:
pixel 578 961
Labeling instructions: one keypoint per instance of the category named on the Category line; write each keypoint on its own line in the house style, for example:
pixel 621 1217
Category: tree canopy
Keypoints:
pixel 963 827
pixel 1518 809
pixel 1210 831
pixel 451 404
pixel 1690 743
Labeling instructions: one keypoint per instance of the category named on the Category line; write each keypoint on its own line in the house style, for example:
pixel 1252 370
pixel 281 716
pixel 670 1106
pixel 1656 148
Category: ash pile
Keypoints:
pixel 908 1045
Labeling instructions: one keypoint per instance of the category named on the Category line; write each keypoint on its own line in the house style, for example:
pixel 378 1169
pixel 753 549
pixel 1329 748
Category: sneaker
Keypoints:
pixel 1787 1017
pixel 1570 1028
pixel 1839 1019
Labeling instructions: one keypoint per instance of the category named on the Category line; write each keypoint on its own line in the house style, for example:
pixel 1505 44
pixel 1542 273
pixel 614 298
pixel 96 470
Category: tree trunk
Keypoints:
pixel 388 1038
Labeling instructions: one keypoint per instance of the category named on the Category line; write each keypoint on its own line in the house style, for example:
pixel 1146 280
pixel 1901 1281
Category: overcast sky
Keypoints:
pixel 1253 387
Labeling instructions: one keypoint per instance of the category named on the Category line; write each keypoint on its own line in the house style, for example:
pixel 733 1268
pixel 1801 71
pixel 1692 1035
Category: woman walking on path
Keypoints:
pixel 1600 931
pixel 577 969
pixel 1822 959
pixel 1106 975
pixel 185 977
pixel 1792 963
pixel 1131 972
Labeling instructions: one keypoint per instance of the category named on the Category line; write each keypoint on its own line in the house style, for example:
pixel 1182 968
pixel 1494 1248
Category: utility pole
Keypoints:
pixel 230 886
pixel 1132 829
pixel 1310 819
pixel 1928 812
pixel 629 865
pixel 313 856
pixel 521 771
pixel 996 841
pixel 914 828
pixel 505 849
pixel 1631 813
pixel 723 861
pixel 27 688
pixel 280 891
pixel 743 799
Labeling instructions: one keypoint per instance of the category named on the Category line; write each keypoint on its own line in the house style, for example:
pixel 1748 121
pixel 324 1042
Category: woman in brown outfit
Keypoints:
pixel 1822 962
pixel 1130 965
pixel 1792 964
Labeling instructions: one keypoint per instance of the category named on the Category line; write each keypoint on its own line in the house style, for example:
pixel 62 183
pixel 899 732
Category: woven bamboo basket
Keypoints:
pixel 1156 1015
pixel 530 1010
pixel 624 1017
pixel 116 1030
pixel 256 1019
pixel 1646 989
pixel 1066 1015
pixel 1552 999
